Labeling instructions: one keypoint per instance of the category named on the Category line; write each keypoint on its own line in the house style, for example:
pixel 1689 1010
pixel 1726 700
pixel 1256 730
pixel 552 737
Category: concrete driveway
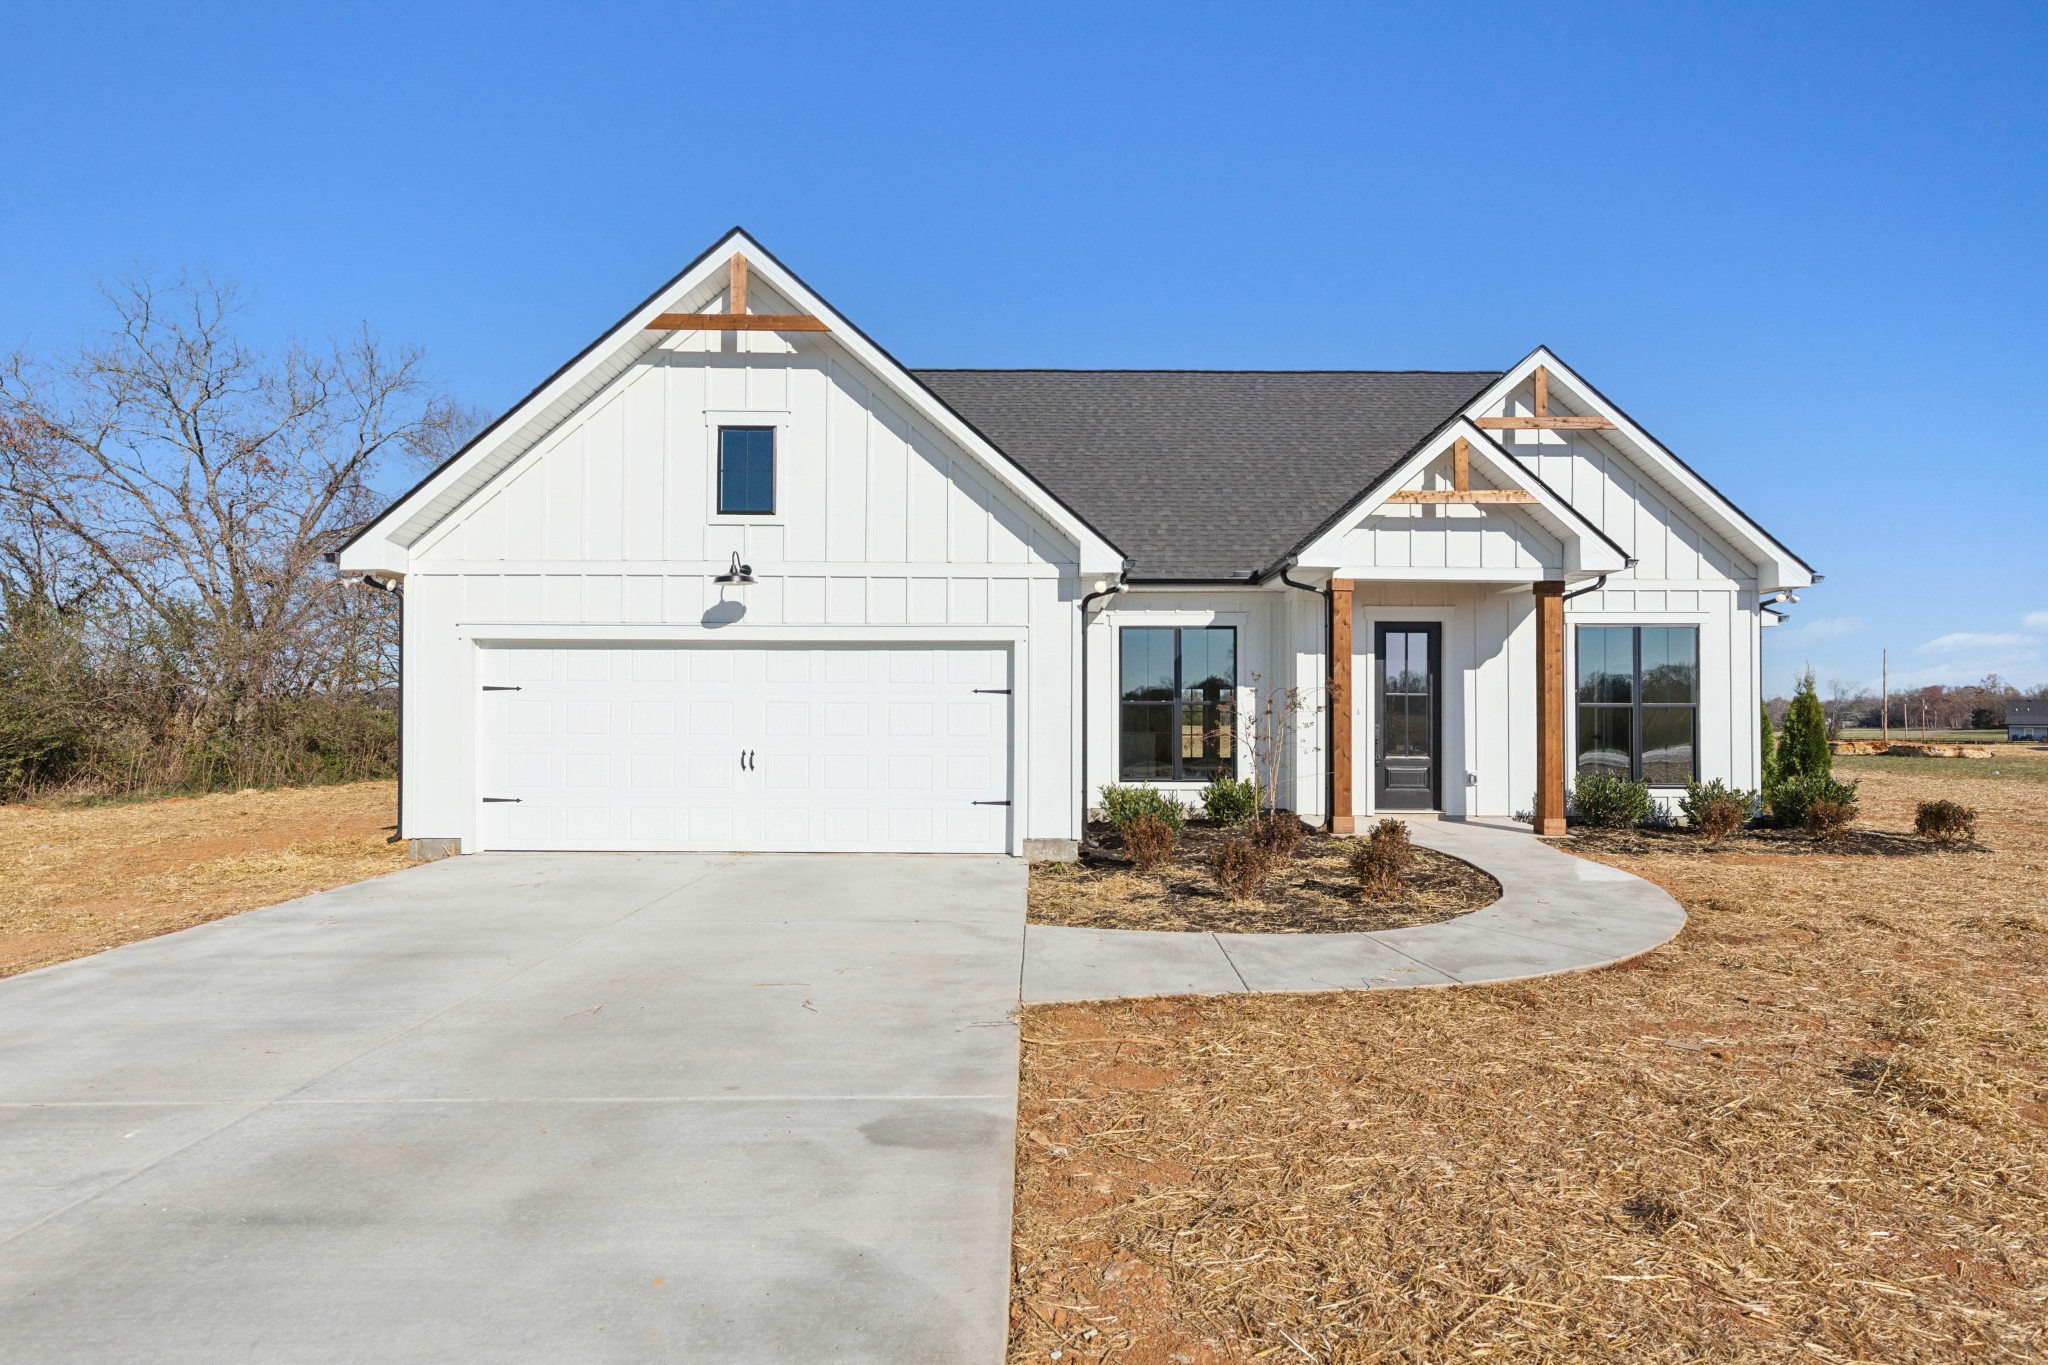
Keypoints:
pixel 541 1108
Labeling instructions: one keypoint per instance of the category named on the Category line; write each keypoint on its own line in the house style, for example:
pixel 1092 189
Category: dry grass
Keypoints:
pixel 1311 891
pixel 80 879
pixel 1814 1127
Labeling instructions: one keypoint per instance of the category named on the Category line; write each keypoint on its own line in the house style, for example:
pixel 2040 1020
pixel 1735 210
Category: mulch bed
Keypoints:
pixel 1777 843
pixel 1312 893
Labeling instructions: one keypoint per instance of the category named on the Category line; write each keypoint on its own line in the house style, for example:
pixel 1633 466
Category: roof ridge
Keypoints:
pixel 1054 369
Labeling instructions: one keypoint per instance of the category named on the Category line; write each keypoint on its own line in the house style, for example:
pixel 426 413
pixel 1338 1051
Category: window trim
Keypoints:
pixel 1635 706
pixel 717 420
pixel 773 465
pixel 1180 776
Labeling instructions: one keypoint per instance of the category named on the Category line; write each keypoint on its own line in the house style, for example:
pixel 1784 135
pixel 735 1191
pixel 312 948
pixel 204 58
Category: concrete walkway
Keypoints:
pixel 1556 914
pixel 512 1109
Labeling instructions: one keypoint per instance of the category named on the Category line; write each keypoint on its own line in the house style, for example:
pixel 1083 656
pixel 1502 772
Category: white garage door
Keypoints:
pixel 833 748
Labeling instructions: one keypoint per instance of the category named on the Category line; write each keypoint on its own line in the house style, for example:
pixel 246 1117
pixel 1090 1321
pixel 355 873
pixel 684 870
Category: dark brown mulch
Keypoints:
pixel 1312 893
pixel 1857 843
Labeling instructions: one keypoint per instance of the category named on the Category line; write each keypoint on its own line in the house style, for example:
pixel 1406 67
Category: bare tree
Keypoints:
pixel 206 480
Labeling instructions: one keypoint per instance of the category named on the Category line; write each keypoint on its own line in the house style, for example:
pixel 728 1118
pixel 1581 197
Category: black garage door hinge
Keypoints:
pixel 515 800
pixel 991 803
pixel 500 687
pixel 997 691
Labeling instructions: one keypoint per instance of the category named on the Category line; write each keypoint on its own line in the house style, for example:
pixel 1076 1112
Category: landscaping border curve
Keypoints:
pixel 1556 914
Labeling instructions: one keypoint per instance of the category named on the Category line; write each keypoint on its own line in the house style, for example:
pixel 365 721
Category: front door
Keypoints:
pixel 1410 725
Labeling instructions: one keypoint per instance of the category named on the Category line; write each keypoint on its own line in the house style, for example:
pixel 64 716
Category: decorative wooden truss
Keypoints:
pixel 1461 489
pixel 736 318
pixel 1542 420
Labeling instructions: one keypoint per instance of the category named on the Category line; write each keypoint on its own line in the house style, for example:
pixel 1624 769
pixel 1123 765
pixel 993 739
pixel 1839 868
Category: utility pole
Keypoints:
pixel 1887 685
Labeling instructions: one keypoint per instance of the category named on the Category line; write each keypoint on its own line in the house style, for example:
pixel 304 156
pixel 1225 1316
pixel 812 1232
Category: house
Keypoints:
pixel 2027 720
pixel 735 578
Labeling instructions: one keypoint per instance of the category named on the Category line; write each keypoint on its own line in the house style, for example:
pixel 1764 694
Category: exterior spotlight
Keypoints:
pixel 738 576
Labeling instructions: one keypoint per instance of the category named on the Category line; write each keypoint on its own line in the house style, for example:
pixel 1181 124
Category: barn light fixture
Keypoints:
pixel 738 576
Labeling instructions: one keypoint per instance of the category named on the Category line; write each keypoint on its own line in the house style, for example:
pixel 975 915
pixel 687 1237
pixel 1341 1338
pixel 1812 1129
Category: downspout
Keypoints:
pixel 1329 683
pixel 397 590
pixel 1112 590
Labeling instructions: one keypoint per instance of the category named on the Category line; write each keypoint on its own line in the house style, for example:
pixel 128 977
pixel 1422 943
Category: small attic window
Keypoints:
pixel 746 471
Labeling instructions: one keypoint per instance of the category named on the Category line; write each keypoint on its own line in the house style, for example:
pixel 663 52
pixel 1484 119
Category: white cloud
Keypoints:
pixel 1821 628
pixel 1958 641
pixel 2035 620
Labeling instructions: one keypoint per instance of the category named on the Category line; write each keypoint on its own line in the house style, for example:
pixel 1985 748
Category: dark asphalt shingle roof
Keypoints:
pixel 1205 474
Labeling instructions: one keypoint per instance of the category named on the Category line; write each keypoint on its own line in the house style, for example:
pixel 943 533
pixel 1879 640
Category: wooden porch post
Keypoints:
pixel 1550 708
pixel 1342 821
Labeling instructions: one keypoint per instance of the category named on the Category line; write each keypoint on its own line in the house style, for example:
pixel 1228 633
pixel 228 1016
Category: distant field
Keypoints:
pixel 1906 736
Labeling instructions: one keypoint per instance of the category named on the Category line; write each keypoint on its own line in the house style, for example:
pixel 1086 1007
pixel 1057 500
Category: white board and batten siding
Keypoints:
pixel 605 533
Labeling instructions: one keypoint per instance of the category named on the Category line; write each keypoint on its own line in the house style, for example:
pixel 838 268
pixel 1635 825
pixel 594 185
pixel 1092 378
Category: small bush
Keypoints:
pixel 1605 801
pixel 1715 809
pixel 1241 868
pixel 1827 819
pixel 1380 860
pixel 1231 800
pixel 1278 834
pixel 1121 805
pixel 1149 840
pixel 1946 822
pixel 1790 798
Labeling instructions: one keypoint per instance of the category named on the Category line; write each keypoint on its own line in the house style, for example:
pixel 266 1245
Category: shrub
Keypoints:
pixel 1231 800
pixel 1803 744
pixel 1381 859
pixel 1277 834
pixel 1149 840
pixel 1827 818
pixel 1945 822
pixel 1607 801
pixel 1768 750
pixel 1790 798
pixel 1121 805
pixel 1241 867
pixel 1715 809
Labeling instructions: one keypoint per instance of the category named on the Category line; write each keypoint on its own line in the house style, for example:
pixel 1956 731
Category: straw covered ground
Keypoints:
pixel 1813 1127
pixel 80 879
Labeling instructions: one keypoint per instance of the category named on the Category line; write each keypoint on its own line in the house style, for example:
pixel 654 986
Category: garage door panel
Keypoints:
pixel 828 748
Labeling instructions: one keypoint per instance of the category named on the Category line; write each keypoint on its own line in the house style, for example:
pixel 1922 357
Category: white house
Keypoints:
pixel 734 578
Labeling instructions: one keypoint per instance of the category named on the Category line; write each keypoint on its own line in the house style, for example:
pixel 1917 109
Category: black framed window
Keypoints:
pixel 746 471
pixel 1639 702
pixel 1178 703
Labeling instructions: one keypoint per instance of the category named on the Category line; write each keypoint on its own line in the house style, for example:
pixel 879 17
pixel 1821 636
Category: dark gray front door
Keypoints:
pixel 1410 725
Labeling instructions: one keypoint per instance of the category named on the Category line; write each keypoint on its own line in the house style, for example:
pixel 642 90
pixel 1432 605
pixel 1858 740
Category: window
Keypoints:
pixel 1638 698
pixel 1178 720
pixel 746 471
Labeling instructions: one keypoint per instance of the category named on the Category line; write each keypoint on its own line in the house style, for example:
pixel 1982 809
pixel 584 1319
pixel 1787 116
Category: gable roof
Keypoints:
pixel 1207 474
pixel 382 545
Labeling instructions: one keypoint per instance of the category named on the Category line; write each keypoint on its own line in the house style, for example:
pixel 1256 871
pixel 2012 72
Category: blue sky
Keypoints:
pixel 1803 244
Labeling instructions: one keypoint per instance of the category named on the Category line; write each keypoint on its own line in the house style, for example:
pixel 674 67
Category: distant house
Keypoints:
pixel 2026 719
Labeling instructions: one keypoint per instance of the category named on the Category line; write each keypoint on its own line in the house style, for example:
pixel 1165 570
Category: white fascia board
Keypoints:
pixel 382 545
pixel 1776 566
pixel 1587 551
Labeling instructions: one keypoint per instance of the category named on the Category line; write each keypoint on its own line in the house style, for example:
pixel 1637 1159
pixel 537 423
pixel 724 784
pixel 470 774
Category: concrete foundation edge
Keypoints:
pixel 1051 850
pixel 432 850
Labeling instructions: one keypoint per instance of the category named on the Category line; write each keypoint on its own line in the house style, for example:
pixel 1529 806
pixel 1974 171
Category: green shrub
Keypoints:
pixel 1149 841
pixel 1230 800
pixel 1803 744
pixel 1241 868
pixel 1121 805
pixel 1716 809
pixel 1608 801
pixel 1768 769
pixel 1791 797
pixel 1945 822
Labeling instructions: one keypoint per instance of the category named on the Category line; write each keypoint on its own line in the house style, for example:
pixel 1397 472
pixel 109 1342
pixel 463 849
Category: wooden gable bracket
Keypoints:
pixel 1461 489
pixel 1543 421
pixel 736 318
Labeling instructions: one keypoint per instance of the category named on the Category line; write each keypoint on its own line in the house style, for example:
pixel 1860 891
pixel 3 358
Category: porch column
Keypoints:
pixel 1549 708
pixel 1342 821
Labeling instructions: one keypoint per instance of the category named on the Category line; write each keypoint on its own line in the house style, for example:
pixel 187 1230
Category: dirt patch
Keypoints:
pixel 1813 1126
pixel 1312 892
pixel 81 879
